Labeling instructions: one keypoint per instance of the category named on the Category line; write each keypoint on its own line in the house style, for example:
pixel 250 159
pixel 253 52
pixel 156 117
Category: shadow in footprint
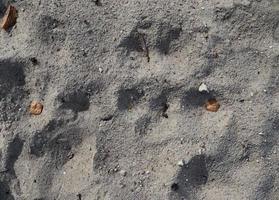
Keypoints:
pixel 2 8
pixel 47 32
pixel 193 99
pixel 13 152
pixel 57 144
pixel 12 81
pixel 77 101
pixel 127 98
pixel 270 139
pixel 132 42
pixel 265 188
pixel 160 102
pixel 142 124
pixel 166 36
pixel 11 77
pixel 190 177
pixel 5 192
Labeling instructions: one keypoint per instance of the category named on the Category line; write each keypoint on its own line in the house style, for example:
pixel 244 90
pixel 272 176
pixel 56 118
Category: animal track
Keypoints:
pixel 166 37
pixel 160 103
pixel 224 13
pixel 12 81
pixel 77 101
pixel 54 142
pixel 270 139
pixel 48 31
pixel 13 151
pixel 142 125
pixel 265 188
pixel 5 192
pixel 11 76
pixel 193 99
pixel 127 98
pixel 164 42
pixel 276 32
pixel 132 42
pixel 191 176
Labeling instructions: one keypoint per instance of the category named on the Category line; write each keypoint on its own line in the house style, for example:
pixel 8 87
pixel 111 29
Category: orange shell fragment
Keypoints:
pixel 9 18
pixel 212 105
pixel 36 108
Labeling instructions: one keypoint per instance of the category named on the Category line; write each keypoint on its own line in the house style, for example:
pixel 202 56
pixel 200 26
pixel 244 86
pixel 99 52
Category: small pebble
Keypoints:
pixel 181 163
pixel 100 70
pixel 261 133
pixel 123 172
pixel 200 151
pixel 203 88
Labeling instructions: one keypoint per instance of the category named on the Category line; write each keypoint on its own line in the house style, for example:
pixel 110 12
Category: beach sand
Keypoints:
pixel 119 112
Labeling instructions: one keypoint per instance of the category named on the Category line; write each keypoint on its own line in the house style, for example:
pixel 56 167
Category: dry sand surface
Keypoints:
pixel 140 100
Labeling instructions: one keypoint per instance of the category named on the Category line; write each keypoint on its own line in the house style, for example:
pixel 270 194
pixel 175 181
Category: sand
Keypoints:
pixel 123 115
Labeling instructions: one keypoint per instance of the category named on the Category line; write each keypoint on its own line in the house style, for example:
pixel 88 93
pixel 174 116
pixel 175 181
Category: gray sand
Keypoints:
pixel 123 117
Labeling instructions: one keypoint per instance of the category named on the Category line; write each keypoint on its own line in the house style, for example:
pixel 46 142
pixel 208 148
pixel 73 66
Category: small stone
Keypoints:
pixel 212 105
pixel 123 172
pixel 147 172
pixel 180 163
pixel 100 70
pixel 261 133
pixel 201 151
pixel 181 141
pixel 70 155
pixel 203 88
pixel 36 108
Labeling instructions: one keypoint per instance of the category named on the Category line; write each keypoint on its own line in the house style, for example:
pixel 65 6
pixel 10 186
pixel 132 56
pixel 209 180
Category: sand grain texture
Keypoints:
pixel 119 83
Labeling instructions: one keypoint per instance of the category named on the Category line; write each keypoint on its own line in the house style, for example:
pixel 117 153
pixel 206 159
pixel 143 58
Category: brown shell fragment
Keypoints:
pixel 212 105
pixel 36 108
pixel 9 18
